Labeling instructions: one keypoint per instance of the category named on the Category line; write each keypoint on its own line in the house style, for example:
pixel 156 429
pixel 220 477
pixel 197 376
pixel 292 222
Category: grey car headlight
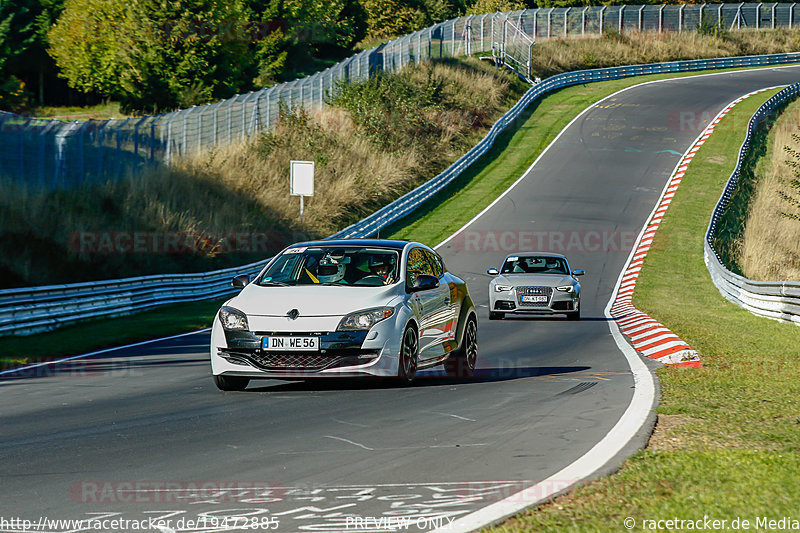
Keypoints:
pixel 503 288
pixel 361 320
pixel 565 288
pixel 232 318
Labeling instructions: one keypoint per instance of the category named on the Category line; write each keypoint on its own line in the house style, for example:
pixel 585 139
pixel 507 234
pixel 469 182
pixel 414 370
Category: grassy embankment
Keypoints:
pixel 769 248
pixel 727 442
pixel 177 200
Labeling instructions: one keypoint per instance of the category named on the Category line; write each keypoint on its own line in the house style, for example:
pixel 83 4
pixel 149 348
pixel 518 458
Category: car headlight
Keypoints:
pixel 503 288
pixel 362 320
pixel 565 288
pixel 232 318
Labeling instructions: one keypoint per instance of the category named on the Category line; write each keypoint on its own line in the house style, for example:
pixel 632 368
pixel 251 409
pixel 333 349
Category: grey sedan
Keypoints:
pixel 535 283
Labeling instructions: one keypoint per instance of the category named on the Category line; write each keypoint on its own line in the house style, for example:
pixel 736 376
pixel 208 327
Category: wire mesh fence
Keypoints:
pixel 55 154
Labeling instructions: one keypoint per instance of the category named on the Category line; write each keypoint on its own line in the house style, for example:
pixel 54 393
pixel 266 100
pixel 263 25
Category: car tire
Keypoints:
pixel 461 363
pixel 231 383
pixel 409 355
pixel 575 315
pixel 496 316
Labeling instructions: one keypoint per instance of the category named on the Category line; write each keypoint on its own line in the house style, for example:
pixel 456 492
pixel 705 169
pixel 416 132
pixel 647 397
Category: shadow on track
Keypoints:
pixel 482 375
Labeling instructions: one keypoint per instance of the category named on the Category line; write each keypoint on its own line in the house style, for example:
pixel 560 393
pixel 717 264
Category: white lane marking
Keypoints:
pixel 98 352
pixel 454 416
pixel 350 442
pixel 349 423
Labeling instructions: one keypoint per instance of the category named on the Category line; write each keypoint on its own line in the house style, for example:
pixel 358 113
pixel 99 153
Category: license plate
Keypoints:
pixel 532 299
pixel 290 344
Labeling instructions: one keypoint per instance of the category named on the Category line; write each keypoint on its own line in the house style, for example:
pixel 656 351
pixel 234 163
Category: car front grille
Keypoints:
pixel 295 361
pixel 534 291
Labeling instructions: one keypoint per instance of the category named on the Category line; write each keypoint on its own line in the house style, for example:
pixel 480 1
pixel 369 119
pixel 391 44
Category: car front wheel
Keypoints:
pixel 231 383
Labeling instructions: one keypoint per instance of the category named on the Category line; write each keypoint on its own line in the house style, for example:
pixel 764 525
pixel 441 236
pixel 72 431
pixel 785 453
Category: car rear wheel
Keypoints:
pixel 462 362
pixel 407 365
pixel 231 383
pixel 496 316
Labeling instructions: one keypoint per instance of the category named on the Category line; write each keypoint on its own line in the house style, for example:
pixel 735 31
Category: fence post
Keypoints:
pixel 739 17
pixel 168 157
pixel 583 21
pixel 602 21
pixel 152 139
pixel 640 18
pixel 719 16
pixel 773 15
pixel 791 15
pixel 758 16
pixel 549 21
pixel 535 18
pixel 661 18
pixel 621 9
pixel 680 18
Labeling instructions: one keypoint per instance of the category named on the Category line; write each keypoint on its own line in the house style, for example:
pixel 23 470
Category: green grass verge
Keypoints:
pixel 727 444
pixel 80 113
pixel 512 154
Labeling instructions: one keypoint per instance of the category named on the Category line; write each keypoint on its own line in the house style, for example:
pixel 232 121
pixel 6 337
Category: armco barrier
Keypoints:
pixel 28 310
pixel 779 300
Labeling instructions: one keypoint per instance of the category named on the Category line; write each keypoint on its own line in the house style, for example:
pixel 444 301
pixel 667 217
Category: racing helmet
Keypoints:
pixel 329 270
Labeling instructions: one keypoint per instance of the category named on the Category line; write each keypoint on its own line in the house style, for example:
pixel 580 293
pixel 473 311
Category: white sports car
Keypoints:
pixel 347 308
pixel 535 283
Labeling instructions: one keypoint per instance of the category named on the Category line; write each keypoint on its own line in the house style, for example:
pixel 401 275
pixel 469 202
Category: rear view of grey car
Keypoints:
pixel 535 283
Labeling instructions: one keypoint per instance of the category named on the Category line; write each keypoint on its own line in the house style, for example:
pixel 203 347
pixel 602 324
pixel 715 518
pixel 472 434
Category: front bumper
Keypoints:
pixel 341 354
pixel 557 301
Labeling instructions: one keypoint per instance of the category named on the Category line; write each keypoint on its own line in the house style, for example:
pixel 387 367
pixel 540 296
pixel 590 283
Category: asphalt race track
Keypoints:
pixel 142 433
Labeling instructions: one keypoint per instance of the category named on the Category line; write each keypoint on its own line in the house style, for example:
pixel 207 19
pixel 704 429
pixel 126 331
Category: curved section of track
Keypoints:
pixel 141 433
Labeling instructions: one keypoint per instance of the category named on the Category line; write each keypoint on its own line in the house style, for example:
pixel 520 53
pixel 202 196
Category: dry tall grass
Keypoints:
pixel 613 49
pixel 446 107
pixel 771 246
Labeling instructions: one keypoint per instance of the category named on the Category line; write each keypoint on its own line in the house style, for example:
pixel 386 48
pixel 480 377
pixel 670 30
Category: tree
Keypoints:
pixel 155 55
pixel 17 33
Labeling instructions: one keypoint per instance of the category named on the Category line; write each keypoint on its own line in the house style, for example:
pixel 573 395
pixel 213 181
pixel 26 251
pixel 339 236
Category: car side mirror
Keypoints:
pixel 424 282
pixel 578 272
pixel 239 282
pixel 493 271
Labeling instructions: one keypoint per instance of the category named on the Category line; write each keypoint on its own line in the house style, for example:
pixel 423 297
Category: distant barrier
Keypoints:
pixel 32 309
pixel 55 154
pixel 779 300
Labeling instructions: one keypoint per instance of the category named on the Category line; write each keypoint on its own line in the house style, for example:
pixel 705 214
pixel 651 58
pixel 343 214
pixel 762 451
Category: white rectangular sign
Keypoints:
pixel 302 178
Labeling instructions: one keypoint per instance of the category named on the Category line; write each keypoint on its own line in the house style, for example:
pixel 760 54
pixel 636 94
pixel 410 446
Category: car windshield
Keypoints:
pixel 533 264
pixel 333 265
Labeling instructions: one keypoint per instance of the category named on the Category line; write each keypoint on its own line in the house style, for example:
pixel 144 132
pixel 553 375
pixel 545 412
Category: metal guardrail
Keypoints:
pixel 28 310
pixel 779 300
pixel 56 154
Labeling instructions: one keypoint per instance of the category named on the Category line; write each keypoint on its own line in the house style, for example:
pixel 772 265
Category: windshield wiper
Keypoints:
pixel 274 284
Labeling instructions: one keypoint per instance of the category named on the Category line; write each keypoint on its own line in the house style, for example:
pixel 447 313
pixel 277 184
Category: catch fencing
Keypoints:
pixel 48 154
pixel 779 300
pixel 32 309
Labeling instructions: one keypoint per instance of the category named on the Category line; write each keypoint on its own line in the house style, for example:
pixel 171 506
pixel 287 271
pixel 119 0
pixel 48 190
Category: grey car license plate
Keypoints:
pixel 290 344
pixel 532 299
